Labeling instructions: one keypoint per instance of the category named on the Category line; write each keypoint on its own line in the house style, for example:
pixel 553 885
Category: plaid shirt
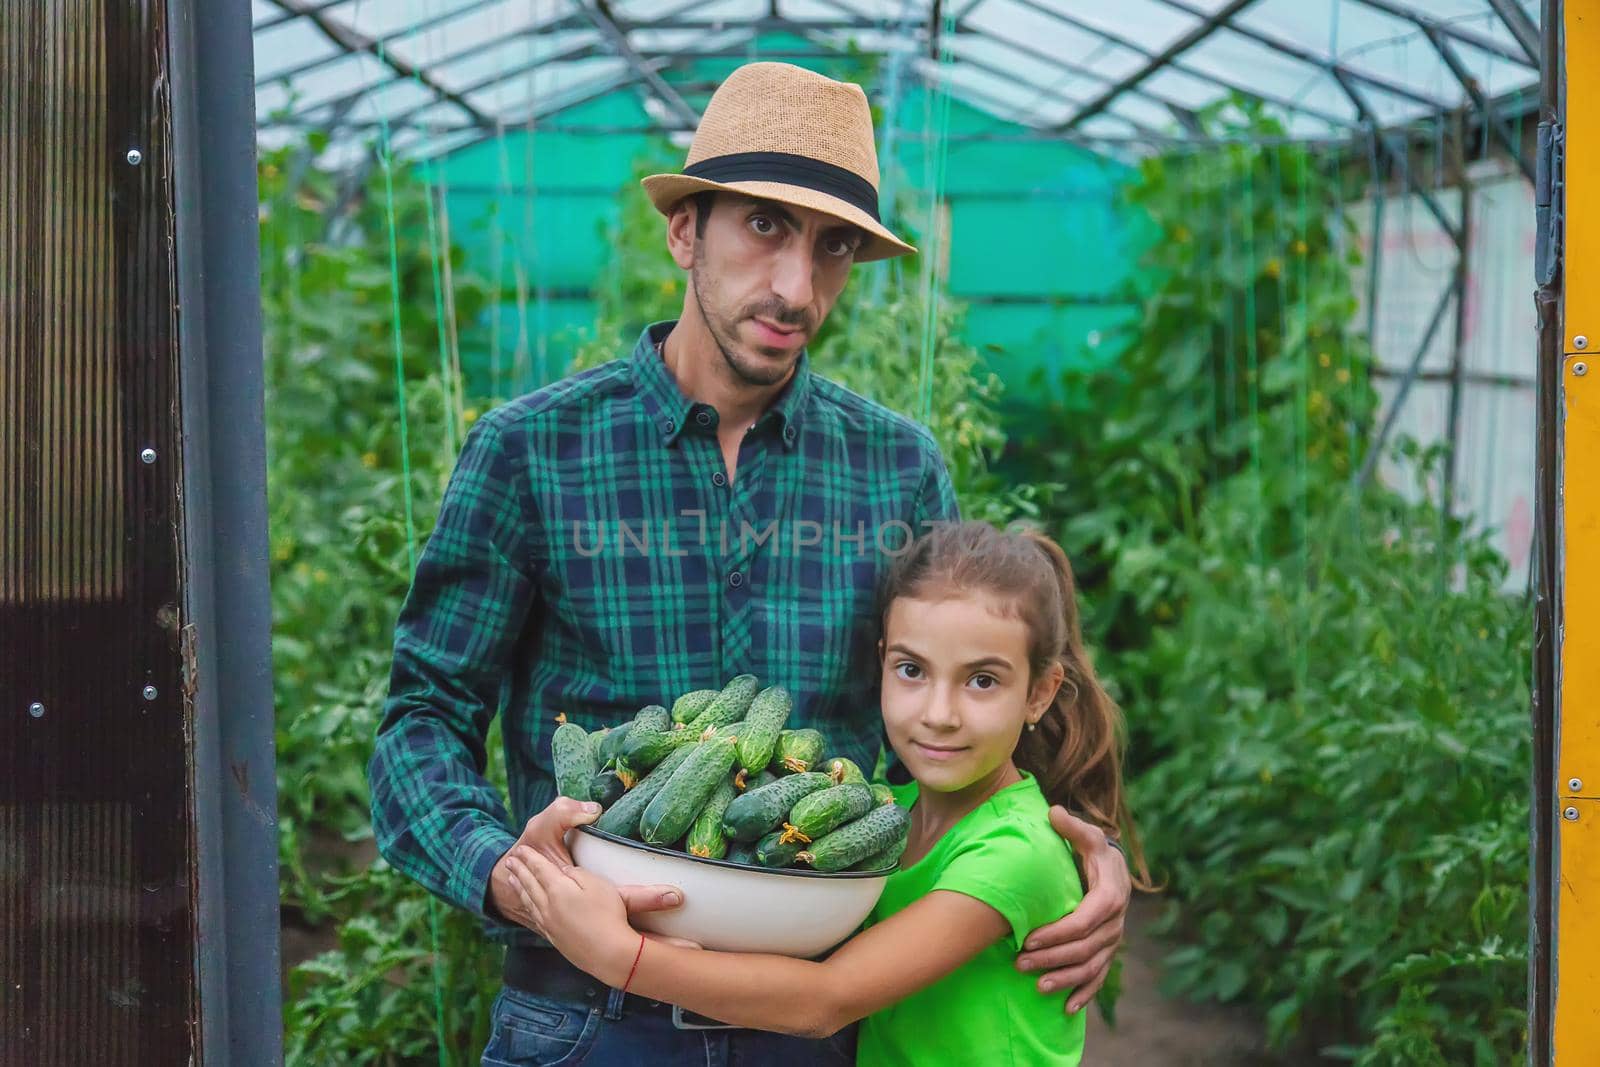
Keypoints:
pixel 591 557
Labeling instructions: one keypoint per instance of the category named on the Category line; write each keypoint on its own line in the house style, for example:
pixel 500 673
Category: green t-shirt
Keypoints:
pixel 986 1013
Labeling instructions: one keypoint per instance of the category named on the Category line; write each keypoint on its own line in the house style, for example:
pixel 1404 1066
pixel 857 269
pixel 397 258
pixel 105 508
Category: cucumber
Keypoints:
pixel 765 720
pixel 759 811
pixel 745 782
pixel 797 751
pixel 671 811
pixel 688 706
pixel 572 760
pixel 645 748
pixel 741 852
pixel 622 818
pixel 827 809
pixel 727 729
pixel 843 771
pixel 729 705
pixel 609 751
pixel 706 838
pixel 774 851
pixel 653 717
pixel 596 742
pixel 606 788
pixel 882 793
pixel 855 841
pixel 885 859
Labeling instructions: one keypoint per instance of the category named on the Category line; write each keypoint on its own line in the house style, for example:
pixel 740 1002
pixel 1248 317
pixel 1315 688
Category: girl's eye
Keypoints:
pixel 988 681
pixel 900 669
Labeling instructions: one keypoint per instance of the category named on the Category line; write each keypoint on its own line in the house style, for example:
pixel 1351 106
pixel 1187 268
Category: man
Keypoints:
pixel 707 507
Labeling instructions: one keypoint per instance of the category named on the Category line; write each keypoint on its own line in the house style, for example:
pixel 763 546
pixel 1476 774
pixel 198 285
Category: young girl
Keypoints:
pixel 991 703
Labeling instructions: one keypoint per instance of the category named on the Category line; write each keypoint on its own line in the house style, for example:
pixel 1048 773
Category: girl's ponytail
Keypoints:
pixel 1076 749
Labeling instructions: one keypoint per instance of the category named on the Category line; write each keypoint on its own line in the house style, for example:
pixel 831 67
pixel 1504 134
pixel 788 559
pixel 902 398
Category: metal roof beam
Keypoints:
pixel 1185 68
pixel 578 52
pixel 761 25
pixel 504 74
pixel 353 43
pixel 387 39
pixel 1385 144
pixel 537 115
pixel 288 16
pixel 583 51
pixel 1469 85
pixel 1305 55
pixel 988 68
pixel 599 12
pixel 1042 91
pixel 1186 41
pixel 1337 121
pixel 1523 28
pixel 1449 29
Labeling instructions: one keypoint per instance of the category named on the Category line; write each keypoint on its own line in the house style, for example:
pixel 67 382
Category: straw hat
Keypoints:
pixel 780 132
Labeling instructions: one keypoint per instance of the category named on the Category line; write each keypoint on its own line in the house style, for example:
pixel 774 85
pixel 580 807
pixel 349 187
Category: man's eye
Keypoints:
pixel 758 220
pixel 841 246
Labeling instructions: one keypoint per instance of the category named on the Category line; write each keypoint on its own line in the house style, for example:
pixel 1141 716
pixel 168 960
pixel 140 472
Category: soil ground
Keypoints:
pixel 1153 1031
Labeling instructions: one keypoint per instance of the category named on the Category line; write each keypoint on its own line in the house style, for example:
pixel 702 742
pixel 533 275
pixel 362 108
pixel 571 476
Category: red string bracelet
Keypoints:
pixel 635 966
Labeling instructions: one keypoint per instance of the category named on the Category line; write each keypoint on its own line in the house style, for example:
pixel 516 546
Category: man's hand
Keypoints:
pixel 1075 952
pixel 546 834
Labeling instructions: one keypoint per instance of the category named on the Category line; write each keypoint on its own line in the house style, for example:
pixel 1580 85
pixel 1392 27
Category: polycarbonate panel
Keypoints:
pixel 398 16
pixel 733 11
pixel 1056 36
pixel 511 56
pixel 392 100
pixel 1495 74
pixel 484 31
pixel 660 42
pixel 1416 263
pixel 516 98
pixel 1153 24
pixel 1028 69
pixel 97 941
pixel 1365 40
pixel 337 80
pixel 284 47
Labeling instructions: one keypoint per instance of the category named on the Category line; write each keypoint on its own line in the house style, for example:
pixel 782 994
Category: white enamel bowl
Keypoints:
pixel 731 907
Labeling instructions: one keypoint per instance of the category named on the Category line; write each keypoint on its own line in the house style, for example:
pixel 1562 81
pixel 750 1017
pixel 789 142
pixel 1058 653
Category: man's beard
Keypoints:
pixel 751 372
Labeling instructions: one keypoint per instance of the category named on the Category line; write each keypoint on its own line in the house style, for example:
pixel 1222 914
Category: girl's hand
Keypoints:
pixel 546 833
pixel 580 913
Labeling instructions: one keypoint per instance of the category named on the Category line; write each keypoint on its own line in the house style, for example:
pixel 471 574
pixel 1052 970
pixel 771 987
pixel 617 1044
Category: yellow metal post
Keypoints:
pixel 1576 938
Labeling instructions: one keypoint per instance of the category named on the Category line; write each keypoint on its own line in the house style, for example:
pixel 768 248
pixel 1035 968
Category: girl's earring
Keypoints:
pixel 1032 726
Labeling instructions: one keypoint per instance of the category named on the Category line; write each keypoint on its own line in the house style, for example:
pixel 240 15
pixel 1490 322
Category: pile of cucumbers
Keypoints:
pixel 720 777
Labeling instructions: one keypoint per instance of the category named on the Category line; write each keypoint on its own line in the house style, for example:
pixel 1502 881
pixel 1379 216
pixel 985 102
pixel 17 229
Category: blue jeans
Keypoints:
pixel 531 1031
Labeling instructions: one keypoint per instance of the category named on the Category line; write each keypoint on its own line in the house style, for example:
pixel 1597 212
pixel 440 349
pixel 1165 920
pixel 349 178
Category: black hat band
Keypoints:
pixel 790 169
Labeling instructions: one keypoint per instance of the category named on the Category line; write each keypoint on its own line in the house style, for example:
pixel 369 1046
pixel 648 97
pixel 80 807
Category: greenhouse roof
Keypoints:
pixel 435 75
